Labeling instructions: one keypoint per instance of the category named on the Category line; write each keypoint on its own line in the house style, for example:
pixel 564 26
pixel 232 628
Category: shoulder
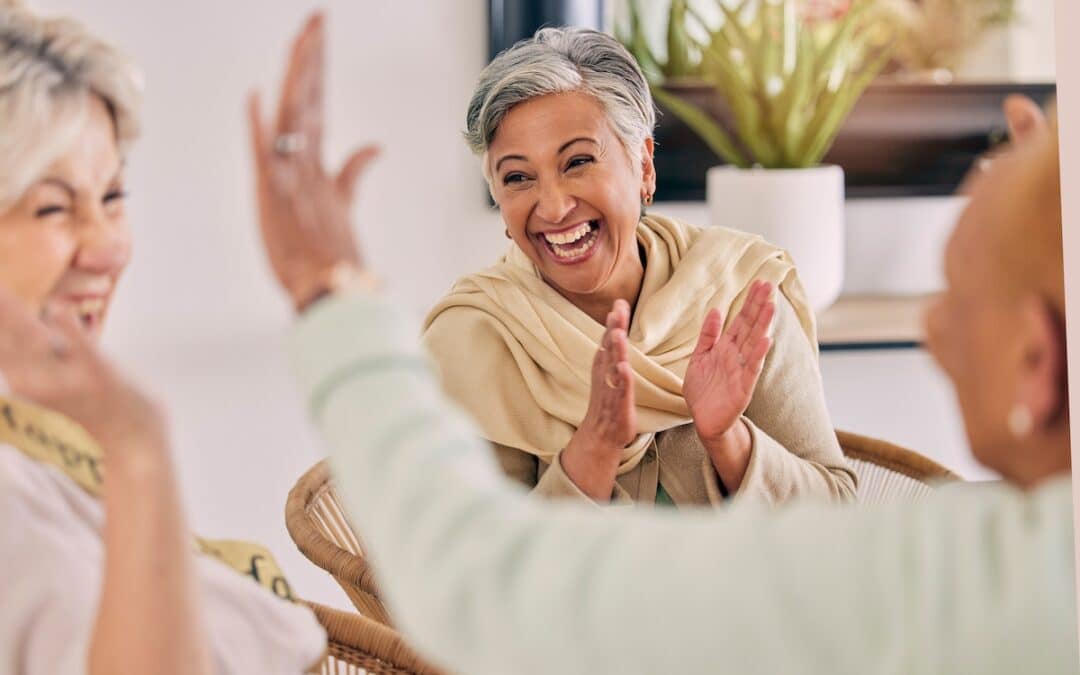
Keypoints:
pixel 38 502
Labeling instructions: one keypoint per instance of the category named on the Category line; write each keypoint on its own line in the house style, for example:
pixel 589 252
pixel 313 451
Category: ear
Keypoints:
pixel 1024 117
pixel 648 169
pixel 1042 383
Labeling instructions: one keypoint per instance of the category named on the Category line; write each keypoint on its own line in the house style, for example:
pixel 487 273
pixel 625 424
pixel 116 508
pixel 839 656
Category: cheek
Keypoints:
pixel 33 259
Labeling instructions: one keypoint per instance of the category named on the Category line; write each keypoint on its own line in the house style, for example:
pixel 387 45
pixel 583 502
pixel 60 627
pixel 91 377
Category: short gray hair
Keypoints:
pixel 559 60
pixel 49 68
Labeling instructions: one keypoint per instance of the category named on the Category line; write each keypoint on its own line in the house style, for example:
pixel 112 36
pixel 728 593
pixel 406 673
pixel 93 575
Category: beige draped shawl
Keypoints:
pixel 518 355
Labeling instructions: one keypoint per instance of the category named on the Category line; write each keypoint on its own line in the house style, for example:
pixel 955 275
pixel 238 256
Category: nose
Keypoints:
pixel 555 203
pixel 104 245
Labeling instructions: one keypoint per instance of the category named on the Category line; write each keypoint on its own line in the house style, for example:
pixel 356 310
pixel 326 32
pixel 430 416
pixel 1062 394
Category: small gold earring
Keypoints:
pixel 648 199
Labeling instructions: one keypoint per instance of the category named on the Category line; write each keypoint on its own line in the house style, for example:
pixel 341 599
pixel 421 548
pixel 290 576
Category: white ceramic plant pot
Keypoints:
pixel 798 210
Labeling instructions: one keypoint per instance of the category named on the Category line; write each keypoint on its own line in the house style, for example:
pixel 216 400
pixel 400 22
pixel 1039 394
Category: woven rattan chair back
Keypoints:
pixel 888 472
pixel 357 645
pixel 318 527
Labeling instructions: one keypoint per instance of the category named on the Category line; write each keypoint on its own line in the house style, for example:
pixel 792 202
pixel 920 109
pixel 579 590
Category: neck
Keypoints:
pixel 1043 457
pixel 625 284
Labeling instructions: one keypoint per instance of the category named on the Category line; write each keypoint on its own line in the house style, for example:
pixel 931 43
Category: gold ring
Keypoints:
pixel 607 381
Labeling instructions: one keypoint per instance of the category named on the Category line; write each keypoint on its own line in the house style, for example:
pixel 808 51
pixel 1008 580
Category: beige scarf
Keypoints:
pixel 518 355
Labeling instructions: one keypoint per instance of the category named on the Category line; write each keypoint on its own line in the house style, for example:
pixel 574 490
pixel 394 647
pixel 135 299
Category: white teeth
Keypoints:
pixel 576 251
pixel 90 307
pixel 569 236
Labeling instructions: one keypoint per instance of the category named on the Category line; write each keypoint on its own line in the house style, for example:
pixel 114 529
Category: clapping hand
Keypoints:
pixel 725 366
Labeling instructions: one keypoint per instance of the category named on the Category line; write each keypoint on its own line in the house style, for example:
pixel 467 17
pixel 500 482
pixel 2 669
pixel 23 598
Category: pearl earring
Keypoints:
pixel 1020 421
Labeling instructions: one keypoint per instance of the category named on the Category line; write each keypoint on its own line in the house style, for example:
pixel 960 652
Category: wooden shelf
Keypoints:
pixel 872 322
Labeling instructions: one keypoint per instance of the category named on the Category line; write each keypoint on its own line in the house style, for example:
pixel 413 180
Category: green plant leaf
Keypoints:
pixel 704 125
pixel 638 46
pixel 679 63
pixel 841 107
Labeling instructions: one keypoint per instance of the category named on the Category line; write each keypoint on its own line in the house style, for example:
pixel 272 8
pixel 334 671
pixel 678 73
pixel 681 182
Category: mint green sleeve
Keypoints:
pixel 487 581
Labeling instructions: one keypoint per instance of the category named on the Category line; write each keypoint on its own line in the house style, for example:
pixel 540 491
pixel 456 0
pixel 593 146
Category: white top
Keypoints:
pixel 52 560
pixel 973 579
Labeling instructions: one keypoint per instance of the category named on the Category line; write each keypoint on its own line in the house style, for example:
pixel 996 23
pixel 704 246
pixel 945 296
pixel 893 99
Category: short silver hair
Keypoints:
pixel 49 70
pixel 560 60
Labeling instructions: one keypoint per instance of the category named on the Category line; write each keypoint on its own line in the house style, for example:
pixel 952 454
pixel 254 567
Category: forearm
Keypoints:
pixel 491 582
pixel 148 619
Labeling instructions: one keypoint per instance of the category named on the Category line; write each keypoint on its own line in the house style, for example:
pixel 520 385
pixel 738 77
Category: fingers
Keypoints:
pixel 260 135
pixel 1024 117
pixel 66 333
pixel 710 331
pixel 755 361
pixel 354 167
pixel 300 108
pixel 758 330
pixel 619 316
pixel 19 329
pixel 756 299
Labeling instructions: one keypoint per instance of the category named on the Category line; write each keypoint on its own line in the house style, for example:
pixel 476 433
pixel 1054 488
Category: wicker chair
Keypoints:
pixel 318 527
pixel 887 472
pixel 356 645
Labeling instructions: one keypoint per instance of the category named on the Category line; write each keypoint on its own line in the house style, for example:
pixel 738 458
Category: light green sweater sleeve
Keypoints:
pixel 487 581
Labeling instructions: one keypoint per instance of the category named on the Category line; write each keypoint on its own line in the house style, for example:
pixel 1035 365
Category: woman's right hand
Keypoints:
pixel 591 458
pixel 304 210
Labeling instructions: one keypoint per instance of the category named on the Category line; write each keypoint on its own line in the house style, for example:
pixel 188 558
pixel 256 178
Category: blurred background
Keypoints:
pixel 198 317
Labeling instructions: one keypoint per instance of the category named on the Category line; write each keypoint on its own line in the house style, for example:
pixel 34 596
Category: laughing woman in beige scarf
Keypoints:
pixel 613 355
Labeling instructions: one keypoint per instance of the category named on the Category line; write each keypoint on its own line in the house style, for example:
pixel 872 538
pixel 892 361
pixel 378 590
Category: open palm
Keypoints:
pixel 724 368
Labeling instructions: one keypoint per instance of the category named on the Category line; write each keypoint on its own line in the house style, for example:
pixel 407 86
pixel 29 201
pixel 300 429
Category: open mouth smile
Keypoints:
pixel 572 245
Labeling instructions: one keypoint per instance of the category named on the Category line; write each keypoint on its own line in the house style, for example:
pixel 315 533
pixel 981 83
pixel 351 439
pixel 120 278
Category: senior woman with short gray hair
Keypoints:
pixel 614 355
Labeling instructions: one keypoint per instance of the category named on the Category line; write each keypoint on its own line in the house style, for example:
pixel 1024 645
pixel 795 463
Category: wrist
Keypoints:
pixel 730 449
pixel 591 465
pixel 339 278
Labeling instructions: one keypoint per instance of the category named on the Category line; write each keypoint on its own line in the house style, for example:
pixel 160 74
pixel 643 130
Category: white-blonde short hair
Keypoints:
pixel 49 68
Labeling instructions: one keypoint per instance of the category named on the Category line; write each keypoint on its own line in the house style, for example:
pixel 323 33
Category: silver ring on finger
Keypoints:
pixel 742 359
pixel 289 144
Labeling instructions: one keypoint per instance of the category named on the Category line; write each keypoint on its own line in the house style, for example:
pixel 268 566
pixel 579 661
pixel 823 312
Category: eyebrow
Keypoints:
pixel 62 184
pixel 66 187
pixel 561 150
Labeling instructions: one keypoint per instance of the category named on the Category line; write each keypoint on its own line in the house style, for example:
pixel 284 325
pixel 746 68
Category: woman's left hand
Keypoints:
pixel 725 367
pixel 304 211
pixel 51 361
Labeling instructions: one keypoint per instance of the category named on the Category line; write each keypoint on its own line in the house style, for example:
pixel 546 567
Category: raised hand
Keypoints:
pixel 304 211
pixel 51 361
pixel 592 457
pixel 725 367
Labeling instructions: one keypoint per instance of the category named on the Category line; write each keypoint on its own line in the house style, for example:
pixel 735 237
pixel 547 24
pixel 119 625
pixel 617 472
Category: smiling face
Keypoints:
pixel 65 241
pixel 570 194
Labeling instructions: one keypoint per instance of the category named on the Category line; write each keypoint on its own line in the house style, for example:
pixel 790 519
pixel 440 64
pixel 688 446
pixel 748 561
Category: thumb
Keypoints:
pixel 1024 117
pixel 349 175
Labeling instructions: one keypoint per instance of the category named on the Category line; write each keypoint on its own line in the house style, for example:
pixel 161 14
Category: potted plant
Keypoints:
pixel 782 76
